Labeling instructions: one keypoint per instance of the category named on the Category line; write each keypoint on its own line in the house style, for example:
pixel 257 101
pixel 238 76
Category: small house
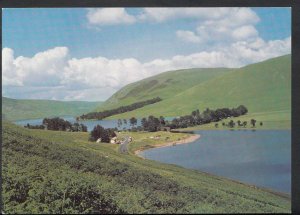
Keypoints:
pixel 113 140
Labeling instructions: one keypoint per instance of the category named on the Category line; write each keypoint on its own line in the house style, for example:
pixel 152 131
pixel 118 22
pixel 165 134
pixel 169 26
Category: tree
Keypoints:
pixel 162 120
pixel 104 134
pixel 253 121
pixel 223 124
pixel 119 123
pixel 96 133
pixel 153 124
pixel 144 123
pixel 261 123
pixel 231 124
pixel 239 123
pixel 216 125
pixel 244 123
pixel 133 121
pixel 83 128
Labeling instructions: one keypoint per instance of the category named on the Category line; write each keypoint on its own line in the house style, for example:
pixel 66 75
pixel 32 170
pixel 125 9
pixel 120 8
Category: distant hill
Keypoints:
pixel 261 87
pixel 18 109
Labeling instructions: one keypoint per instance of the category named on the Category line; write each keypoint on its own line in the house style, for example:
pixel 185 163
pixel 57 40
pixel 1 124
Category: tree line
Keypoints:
pixel 239 123
pixel 58 124
pixel 195 118
pixel 122 109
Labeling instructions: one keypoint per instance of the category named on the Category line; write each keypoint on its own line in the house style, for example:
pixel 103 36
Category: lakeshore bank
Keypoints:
pixel 173 143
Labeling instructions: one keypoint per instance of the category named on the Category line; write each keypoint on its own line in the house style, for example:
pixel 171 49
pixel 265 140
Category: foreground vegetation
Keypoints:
pixel 61 172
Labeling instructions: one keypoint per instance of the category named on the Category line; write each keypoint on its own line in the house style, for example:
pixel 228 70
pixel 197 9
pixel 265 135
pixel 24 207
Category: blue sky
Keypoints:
pixel 126 45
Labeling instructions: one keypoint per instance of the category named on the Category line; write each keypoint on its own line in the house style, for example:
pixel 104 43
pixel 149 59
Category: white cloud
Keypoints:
pixel 51 74
pixel 232 25
pixel 213 25
pixel 109 16
pixel 43 69
pixel 244 32
pixel 166 14
pixel 188 36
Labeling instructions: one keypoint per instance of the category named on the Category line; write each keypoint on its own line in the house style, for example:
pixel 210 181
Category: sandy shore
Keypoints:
pixel 177 142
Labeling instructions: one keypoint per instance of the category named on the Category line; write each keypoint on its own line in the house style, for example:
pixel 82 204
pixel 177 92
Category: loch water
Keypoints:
pixel 261 157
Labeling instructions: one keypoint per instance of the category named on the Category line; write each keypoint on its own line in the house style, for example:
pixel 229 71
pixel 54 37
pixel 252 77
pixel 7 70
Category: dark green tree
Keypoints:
pixel 253 122
pixel 231 124
pixel 133 121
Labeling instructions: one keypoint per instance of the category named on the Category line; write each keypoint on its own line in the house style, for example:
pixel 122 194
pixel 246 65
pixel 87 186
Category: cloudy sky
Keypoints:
pixel 88 54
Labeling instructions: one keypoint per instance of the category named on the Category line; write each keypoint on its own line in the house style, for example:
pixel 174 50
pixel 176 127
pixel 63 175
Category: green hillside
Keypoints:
pixel 17 109
pixel 164 85
pixel 261 87
pixel 61 172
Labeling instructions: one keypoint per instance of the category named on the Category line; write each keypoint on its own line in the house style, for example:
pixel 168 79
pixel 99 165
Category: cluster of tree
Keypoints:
pixel 195 118
pixel 58 124
pixel 207 116
pixel 104 134
pixel 132 121
pixel 239 123
pixel 122 109
pixel 152 123
pixel 34 126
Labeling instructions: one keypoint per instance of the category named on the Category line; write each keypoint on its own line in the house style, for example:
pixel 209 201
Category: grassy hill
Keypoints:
pixel 61 172
pixel 261 87
pixel 17 109
pixel 165 85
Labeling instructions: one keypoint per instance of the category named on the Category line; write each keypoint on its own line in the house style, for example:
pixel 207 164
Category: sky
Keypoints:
pixel 88 54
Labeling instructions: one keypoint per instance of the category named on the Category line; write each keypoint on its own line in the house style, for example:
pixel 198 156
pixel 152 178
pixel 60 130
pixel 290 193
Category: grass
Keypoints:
pixel 61 172
pixel 164 85
pixel 18 109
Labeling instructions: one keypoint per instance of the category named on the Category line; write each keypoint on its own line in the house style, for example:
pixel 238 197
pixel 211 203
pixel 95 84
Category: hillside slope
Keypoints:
pixel 165 85
pixel 17 109
pixel 261 87
pixel 61 172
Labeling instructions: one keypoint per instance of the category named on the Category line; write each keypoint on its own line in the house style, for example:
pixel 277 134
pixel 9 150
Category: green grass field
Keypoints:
pixel 61 172
pixel 18 109
pixel 264 88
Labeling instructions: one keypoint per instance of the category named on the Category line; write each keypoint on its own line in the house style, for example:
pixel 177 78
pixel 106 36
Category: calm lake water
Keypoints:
pixel 89 123
pixel 261 158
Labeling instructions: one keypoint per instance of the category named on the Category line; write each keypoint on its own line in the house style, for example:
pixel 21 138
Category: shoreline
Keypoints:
pixel 176 142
